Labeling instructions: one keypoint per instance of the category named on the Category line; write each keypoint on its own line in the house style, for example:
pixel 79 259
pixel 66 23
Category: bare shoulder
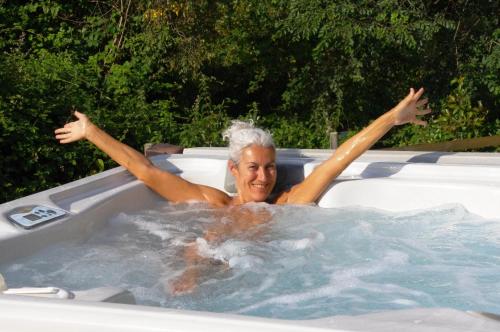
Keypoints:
pixel 215 196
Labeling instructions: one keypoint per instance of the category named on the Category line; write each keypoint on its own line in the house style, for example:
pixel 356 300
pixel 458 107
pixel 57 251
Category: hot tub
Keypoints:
pixel 389 181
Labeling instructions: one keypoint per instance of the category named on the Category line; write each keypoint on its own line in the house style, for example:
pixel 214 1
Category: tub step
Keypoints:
pixel 106 294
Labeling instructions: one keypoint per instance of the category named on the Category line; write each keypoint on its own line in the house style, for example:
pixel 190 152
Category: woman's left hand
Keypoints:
pixel 75 130
pixel 410 107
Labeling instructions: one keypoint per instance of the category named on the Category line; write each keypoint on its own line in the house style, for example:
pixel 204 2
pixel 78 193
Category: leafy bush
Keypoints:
pixel 177 70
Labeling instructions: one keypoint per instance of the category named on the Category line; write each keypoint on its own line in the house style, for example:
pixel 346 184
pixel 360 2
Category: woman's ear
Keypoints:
pixel 233 167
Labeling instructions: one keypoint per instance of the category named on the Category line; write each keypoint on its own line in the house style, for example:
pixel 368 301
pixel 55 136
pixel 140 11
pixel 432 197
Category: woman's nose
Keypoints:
pixel 262 174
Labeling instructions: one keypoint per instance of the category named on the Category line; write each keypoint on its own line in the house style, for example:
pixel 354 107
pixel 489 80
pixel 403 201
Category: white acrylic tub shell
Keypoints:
pixel 393 181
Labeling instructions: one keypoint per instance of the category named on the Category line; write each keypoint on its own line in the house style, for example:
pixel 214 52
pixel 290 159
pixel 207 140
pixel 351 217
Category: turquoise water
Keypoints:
pixel 304 263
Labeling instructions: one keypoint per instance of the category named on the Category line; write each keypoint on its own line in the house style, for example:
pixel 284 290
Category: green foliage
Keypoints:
pixel 177 70
pixel 206 120
pixel 455 118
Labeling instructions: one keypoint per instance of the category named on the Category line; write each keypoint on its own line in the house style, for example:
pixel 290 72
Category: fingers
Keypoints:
pixel 423 112
pixel 64 135
pixel 66 141
pixel 63 139
pixel 418 94
pixel 414 96
pixel 420 122
pixel 72 131
pixel 410 95
pixel 422 102
pixel 63 130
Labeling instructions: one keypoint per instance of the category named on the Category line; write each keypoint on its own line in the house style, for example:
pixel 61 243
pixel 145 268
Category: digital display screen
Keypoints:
pixel 31 217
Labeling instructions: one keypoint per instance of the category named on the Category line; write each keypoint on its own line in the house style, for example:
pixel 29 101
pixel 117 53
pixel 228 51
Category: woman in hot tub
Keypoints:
pixel 252 157
pixel 252 161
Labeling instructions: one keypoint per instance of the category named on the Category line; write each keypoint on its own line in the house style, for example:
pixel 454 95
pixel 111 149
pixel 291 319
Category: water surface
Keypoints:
pixel 306 262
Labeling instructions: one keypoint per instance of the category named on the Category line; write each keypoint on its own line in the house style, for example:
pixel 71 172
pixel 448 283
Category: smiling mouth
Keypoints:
pixel 259 185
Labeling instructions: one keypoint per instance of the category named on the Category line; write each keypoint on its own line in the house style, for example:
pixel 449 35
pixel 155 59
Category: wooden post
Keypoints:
pixel 334 140
pixel 147 146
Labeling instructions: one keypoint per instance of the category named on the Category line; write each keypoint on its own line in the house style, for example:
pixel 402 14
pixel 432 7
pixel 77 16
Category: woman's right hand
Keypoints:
pixel 75 130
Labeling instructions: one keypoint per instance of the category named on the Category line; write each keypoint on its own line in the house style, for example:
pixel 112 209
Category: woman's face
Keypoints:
pixel 255 174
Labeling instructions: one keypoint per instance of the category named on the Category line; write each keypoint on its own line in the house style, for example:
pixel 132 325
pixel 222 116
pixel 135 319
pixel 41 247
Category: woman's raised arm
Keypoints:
pixel 168 185
pixel 316 183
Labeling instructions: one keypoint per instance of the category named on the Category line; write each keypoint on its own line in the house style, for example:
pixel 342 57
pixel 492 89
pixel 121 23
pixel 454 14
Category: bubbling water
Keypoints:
pixel 305 262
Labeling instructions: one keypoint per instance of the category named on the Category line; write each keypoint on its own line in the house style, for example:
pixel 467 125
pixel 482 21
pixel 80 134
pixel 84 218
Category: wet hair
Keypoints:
pixel 242 134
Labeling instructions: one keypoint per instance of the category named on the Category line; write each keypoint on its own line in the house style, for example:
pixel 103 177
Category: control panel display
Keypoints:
pixel 35 215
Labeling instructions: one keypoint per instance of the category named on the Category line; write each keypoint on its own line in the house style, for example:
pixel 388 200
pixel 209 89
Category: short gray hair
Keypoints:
pixel 242 134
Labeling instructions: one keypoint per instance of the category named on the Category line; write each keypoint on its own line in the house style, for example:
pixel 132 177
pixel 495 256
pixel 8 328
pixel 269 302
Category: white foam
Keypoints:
pixel 341 281
pixel 245 262
pixel 296 244
pixel 232 251
pixel 154 229
pixel 267 283
pixel 303 243
pixel 405 302
pixel 390 260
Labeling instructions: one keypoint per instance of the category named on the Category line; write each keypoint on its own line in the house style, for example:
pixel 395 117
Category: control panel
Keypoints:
pixel 35 215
